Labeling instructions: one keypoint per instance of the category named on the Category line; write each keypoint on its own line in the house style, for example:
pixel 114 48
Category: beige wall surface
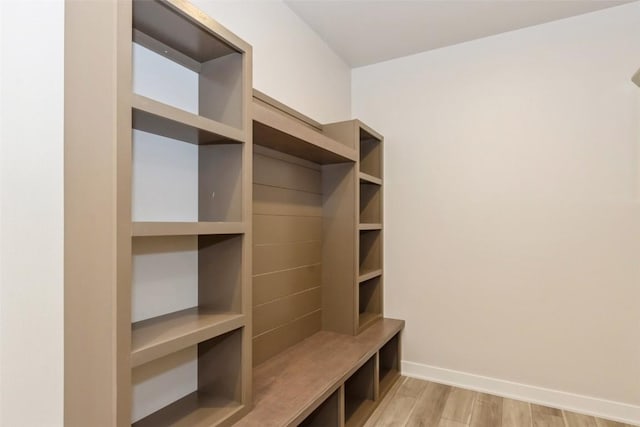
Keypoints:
pixel 513 203
pixel 290 61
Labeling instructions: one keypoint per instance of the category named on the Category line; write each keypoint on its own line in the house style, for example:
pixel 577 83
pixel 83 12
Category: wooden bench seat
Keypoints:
pixel 291 385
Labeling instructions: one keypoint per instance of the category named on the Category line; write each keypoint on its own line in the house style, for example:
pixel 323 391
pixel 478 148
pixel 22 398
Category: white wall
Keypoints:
pixel 31 225
pixel 512 209
pixel 290 61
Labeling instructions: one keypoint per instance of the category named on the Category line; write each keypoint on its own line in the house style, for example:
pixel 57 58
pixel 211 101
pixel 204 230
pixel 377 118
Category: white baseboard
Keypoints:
pixel 616 411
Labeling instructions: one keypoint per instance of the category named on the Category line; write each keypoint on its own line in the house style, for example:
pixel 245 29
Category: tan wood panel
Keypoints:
pixel 284 310
pixel 459 405
pixel 429 408
pixel 544 416
pixel 97 203
pixel 339 248
pixel 279 173
pixel 270 286
pixel 286 229
pixel 380 410
pixel 270 258
pixel 278 201
pixel 515 413
pixel 220 182
pixel 277 340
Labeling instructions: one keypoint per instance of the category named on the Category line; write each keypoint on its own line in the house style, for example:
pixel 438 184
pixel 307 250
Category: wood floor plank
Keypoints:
pixel 487 411
pixel 515 413
pixel 402 403
pixel 578 420
pixel 607 423
pixel 459 405
pixel 448 423
pixel 543 416
pixel 380 410
pixel 428 409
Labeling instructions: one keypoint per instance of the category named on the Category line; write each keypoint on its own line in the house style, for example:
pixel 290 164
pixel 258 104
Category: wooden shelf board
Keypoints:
pixel 196 409
pixel 363 408
pixel 369 179
pixel 184 28
pixel 387 378
pixel 369 274
pixel 289 386
pixel 366 319
pixel 185 228
pixel 281 132
pixel 159 336
pixel 165 120
pixel 370 226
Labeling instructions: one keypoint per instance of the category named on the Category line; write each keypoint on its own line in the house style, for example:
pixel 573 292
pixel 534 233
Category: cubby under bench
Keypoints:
pixel 328 379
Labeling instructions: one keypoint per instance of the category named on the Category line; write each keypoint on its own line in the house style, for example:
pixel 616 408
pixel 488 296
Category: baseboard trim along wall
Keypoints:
pixel 607 409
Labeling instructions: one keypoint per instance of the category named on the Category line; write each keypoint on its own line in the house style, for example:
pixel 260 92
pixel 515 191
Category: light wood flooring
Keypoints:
pixel 413 402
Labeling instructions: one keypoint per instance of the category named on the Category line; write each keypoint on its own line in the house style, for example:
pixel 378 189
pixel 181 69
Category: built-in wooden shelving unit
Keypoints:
pixel 212 235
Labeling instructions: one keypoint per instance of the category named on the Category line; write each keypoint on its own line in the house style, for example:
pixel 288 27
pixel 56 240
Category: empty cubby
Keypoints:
pixel 389 364
pixel 173 181
pixel 200 385
pixel 195 70
pixel 369 301
pixel 325 415
pixel 359 394
pixel 370 251
pixel 185 289
pixel 370 154
pixel 370 203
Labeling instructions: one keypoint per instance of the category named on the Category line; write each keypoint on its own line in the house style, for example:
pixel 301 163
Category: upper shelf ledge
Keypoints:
pixel 285 132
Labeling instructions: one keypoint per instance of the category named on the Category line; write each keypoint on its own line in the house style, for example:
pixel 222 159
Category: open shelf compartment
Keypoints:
pixel 188 38
pixel 370 154
pixel 389 364
pixel 370 203
pixel 174 182
pixel 359 395
pixel 370 251
pixel 185 290
pixel 327 414
pixel 208 377
pixel 369 302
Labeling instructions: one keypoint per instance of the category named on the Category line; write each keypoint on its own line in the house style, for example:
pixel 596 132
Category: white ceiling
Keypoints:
pixel 364 32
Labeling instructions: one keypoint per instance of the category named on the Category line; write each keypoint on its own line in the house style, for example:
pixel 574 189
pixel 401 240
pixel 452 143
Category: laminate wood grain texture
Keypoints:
pixel 578 420
pixel 515 413
pixel 459 405
pixel 291 385
pixel 438 404
pixel 430 406
pixel 543 416
pixel 487 411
